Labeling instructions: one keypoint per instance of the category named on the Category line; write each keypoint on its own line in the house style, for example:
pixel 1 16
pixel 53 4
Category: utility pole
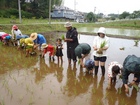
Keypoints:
pixel 19 9
pixel 50 12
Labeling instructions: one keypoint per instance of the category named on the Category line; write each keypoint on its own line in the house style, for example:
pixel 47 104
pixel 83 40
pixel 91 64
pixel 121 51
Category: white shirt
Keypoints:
pixel 114 63
pixel 97 42
pixel 16 33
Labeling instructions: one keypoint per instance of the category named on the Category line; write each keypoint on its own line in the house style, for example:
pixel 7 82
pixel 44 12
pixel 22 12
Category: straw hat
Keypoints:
pixel 67 24
pixel 33 36
pixel 44 45
pixel 14 27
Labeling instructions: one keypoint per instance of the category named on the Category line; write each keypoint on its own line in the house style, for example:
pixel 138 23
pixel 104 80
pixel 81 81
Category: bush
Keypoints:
pixel 10 13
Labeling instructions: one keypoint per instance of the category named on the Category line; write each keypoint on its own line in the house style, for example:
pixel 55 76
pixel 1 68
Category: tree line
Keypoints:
pixel 32 8
pixel 91 17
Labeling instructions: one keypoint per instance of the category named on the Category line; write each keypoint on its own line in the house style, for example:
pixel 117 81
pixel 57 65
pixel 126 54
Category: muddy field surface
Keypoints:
pixel 38 81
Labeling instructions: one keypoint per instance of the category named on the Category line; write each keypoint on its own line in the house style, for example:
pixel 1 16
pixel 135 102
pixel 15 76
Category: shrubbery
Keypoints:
pixel 14 13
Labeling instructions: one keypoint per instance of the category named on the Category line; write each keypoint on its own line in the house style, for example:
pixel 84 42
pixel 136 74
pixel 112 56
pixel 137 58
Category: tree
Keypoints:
pixel 124 15
pixel 36 8
pixel 91 17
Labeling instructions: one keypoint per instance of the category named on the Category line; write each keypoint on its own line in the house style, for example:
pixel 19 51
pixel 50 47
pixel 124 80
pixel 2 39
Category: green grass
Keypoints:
pixel 41 25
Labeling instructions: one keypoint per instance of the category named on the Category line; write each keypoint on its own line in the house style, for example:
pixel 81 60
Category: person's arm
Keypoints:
pixel 125 75
pixel 12 33
pixel 73 38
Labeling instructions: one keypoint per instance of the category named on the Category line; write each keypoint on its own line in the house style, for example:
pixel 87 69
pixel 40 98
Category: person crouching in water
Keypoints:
pixel 5 38
pixel 28 44
pixel 48 48
pixel 81 51
pixel 59 47
pixel 89 65
pixel 38 39
pixel 114 68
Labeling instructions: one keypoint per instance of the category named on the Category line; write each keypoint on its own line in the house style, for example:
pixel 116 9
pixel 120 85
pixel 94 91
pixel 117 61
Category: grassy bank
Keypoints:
pixel 41 25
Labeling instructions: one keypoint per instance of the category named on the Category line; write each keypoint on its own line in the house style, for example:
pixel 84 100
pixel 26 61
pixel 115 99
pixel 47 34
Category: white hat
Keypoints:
pixel 67 24
pixel 101 30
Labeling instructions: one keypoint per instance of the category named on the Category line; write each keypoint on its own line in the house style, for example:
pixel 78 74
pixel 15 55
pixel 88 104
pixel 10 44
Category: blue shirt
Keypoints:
pixel 40 39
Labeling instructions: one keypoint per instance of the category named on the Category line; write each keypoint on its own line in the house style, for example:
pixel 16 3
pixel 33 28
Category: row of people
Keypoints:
pixel 74 50
pixel 100 45
pixel 32 42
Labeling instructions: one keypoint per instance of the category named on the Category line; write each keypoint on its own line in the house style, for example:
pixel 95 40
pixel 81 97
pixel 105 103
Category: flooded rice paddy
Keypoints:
pixel 38 81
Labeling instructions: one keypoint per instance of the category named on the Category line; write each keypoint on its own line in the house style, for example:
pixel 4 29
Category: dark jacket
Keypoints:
pixel 131 65
pixel 72 34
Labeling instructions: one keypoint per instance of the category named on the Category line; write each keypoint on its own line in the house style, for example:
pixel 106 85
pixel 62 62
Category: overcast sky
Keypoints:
pixel 104 6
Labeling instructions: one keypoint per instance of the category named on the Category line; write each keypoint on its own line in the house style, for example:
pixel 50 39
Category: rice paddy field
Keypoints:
pixel 37 81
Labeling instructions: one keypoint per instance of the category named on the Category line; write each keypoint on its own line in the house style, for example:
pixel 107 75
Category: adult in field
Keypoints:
pixel 38 39
pixel 100 46
pixel 72 42
pixel 81 51
pixel 131 64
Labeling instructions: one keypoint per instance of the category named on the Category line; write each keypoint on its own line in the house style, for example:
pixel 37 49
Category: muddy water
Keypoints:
pixel 37 81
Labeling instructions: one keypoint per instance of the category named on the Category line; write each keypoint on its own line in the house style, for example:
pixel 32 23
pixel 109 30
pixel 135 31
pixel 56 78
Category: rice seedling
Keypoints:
pixel 81 86
pixel 14 79
pixel 2 102
pixel 75 92
pixel 75 82
pixel 94 90
pixel 78 61
pixel 106 94
pixel 119 90
pixel 27 87
pixel 62 37
pixel 98 102
pixel 136 42
pixel 86 80
pixel 101 46
pixel 49 103
pixel 51 91
pixel 31 102
pixel 122 48
pixel 21 98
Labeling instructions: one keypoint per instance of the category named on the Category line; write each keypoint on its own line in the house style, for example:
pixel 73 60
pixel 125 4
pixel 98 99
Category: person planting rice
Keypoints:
pixel 100 46
pixel 48 48
pixel 114 68
pixel 81 51
pixel 131 64
pixel 28 45
pixel 38 39
pixel 5 38
pixel 89 65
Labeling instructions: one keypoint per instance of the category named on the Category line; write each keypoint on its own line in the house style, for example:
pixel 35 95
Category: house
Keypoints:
pixel 61 12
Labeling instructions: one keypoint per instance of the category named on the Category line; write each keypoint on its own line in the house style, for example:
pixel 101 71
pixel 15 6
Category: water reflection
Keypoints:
pixel 112 31
pixel 40 81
